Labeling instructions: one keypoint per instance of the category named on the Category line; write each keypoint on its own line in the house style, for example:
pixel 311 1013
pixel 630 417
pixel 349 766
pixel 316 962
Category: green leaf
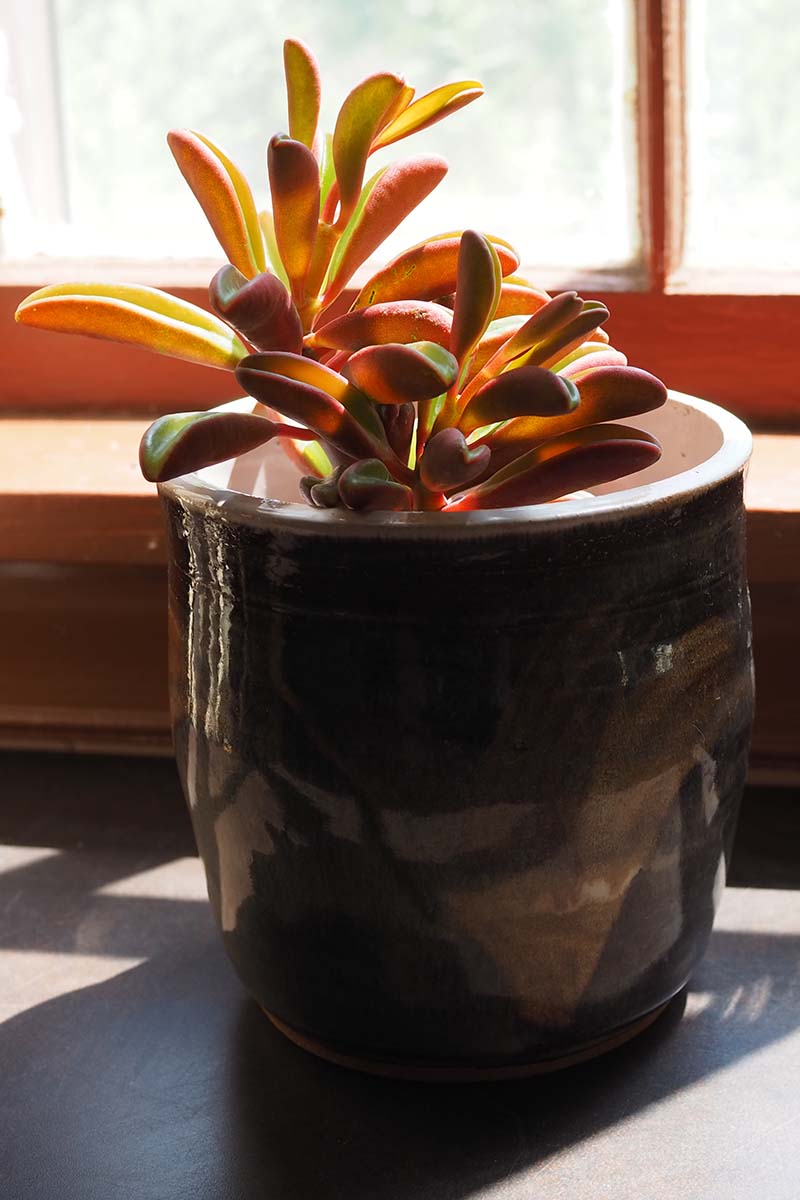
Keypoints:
pixel 303 91
pixel 360 119
pixel 268 229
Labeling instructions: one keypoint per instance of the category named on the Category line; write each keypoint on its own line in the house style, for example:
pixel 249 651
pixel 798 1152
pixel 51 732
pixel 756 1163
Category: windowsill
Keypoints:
pixel 71 492
pixel 82 553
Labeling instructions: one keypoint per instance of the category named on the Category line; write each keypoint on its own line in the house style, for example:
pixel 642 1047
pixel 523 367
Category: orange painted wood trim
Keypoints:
pixel 738 350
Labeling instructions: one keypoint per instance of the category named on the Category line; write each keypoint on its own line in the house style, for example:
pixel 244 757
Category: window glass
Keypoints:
pixel 544 158
pixel 743 128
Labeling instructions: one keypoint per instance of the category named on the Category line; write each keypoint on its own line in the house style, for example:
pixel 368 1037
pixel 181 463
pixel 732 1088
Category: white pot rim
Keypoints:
pixel 725 463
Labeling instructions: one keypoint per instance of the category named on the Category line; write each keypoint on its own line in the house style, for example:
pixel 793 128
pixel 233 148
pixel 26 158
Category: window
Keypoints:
pixel 643 150
pixel 555 129
pixel 638 147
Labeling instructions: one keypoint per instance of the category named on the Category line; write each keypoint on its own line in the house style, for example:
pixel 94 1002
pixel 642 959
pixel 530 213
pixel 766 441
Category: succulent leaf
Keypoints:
pixel 576 460
pixel 607 394
pixel 224 196
pixel 582 364
pixel 391 195
pixel 327 171
pixel 552 316
pixel 259 308
pixel 306 370
pixel 309 456
pixel 429 109
pixel 396 373
pixel 182 442
pixel 294 183
pixel 477 292
pixel 558 343
pixel 315 409
pixel 612 392
pixel 398 422
pixel 525 392
pixel 303 91
pixel 322 493
pixel 397 321
pixel 449 462
pixel 519 299
pixel 587 349
pixel 361 117
pixel 426 271
pixel 139 316
pixel 267 224
pixel 367 486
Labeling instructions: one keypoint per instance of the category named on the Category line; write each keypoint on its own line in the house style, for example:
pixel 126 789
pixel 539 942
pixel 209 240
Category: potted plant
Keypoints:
pixel 461 704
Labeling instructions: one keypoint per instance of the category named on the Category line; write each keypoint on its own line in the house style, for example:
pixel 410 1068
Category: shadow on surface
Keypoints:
pixel 165 1083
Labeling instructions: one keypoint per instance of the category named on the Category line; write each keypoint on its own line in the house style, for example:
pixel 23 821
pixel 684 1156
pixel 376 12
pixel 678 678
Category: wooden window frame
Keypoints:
pixel 684 328
pixel 81 546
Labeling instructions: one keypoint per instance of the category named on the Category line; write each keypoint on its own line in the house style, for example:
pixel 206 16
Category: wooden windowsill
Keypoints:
pixel 82 621
pixel 71 492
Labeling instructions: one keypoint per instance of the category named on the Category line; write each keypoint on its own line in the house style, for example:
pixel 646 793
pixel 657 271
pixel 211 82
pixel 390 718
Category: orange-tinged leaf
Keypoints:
pixel 294 183
pixel 361 117
pixel 524 392
pixel 517 299
pixel 397 373
pixel 583 363
pixel 397 321
pixel 589 348
pixel 140 316
pixel 224 196
pixel 400 104
pixel 327 239
pixel 497 334
pixel 303 91
pixel 477 293
pixel 429 109
pixel 556 313
pixel 558 343
pixel 427 271
pixel 581 459
pixel 183 442
pixel 306 370
pixel 395 193
pixel 317 410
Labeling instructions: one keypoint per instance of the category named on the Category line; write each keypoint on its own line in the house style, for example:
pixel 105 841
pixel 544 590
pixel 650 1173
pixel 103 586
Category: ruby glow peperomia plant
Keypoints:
pixel 451 383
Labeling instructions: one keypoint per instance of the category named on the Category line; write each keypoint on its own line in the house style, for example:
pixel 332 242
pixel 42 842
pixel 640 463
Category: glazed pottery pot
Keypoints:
pixel 465 786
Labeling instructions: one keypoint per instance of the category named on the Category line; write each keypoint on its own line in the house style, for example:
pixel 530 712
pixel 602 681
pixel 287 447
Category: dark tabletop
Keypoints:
pixel 134 1067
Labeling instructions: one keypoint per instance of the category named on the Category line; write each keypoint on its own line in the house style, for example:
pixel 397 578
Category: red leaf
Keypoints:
pixel 261 309
pixel 577 460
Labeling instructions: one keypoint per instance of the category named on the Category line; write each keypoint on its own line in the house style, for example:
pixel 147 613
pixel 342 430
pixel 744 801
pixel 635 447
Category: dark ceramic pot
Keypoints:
pixel 465 786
